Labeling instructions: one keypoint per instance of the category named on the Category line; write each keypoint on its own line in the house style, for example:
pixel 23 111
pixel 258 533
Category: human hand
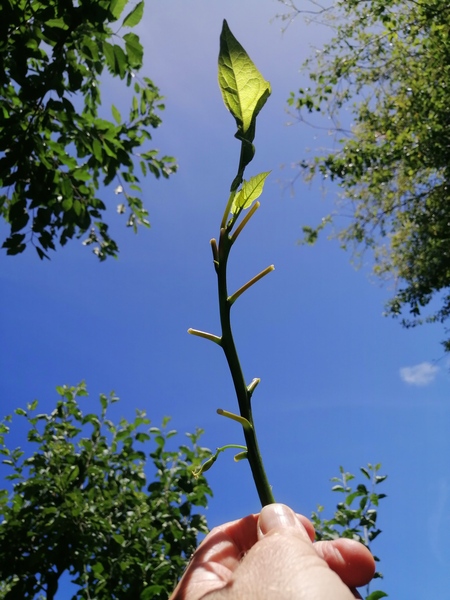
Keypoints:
pixel 271 555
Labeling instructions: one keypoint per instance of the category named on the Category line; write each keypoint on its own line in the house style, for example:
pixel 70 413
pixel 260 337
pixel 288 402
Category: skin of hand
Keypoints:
pixel 271 556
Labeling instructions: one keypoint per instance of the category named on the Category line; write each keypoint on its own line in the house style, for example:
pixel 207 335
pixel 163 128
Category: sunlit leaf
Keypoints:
pixel 116 114
pixel 244 89
pixel 134 17
pixel 250 191
pixel 134 49
pixel 120 64
pixel 117 7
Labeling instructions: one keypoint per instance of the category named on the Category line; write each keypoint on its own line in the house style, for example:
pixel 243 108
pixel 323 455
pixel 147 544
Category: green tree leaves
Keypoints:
pixel 55 160
pixel 356 514
pixel 393 165
pixel 87 501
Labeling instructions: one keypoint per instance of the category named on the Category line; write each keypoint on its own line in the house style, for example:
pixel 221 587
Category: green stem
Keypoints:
pixel 242 393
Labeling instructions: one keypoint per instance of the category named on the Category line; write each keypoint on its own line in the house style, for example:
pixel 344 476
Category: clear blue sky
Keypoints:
pixel 335 389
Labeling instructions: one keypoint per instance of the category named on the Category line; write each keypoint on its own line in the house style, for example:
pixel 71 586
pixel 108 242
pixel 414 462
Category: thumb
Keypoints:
pixel 282 519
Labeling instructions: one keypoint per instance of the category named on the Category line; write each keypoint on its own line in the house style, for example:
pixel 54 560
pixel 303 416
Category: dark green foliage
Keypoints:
pixel 82 503
pixel 387 69
pixel 56 151
pixel 356 514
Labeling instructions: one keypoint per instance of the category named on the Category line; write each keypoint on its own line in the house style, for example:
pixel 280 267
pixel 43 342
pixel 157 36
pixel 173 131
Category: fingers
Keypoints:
pixel 349 559
pixel 352 561
pixel 283 564
pixel 276 537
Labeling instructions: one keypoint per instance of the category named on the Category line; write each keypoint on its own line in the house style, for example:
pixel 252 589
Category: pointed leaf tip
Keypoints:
pixel 244 90
pixel 134 17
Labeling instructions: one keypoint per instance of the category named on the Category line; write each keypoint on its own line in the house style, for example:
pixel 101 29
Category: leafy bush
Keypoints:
pixel 81 503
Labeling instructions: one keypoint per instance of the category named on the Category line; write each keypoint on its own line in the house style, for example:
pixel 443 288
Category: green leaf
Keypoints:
pixel 66 189
pixel 150 592
pixel 376 595
pixel 337 488
pixel 117 7
pixel 134 49
pixel 116 114
pixel 77 207
pixel 244 89
pixel 74 473
pixel 59 23
pixel 67 203
pixel 97 150
pixel 120 61
pixel 365 472
pixel 108 50
pixel 250 191
pixel 380 478
pixel 135 16
pixel 98 568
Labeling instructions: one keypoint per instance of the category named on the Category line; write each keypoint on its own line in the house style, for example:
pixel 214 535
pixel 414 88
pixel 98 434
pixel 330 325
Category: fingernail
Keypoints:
pixel 276 516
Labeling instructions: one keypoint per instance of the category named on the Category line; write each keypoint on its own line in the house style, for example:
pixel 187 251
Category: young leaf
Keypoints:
pixel 134 17
pixel 251 190
pixel 244 89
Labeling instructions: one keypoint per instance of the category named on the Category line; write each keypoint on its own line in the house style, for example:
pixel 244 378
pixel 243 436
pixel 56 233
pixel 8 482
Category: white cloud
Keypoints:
pixel 422 374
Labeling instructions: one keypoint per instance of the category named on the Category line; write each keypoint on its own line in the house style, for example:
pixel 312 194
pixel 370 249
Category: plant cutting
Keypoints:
pixel 244 92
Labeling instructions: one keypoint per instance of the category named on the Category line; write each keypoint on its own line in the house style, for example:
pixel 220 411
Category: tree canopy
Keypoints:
pixel 57 149
pixel 82 503
pixel 383 80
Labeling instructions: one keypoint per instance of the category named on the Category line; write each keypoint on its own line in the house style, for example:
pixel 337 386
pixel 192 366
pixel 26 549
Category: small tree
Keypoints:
pixel 82 504
pixel 55 149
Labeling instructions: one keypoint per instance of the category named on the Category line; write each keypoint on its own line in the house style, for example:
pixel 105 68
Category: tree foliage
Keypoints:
pixel 57 149
pixel 387 69
pixel 81 504
pixel 356 514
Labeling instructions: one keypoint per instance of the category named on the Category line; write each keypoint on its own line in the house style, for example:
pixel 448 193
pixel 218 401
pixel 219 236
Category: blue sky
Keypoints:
pixel 340 384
